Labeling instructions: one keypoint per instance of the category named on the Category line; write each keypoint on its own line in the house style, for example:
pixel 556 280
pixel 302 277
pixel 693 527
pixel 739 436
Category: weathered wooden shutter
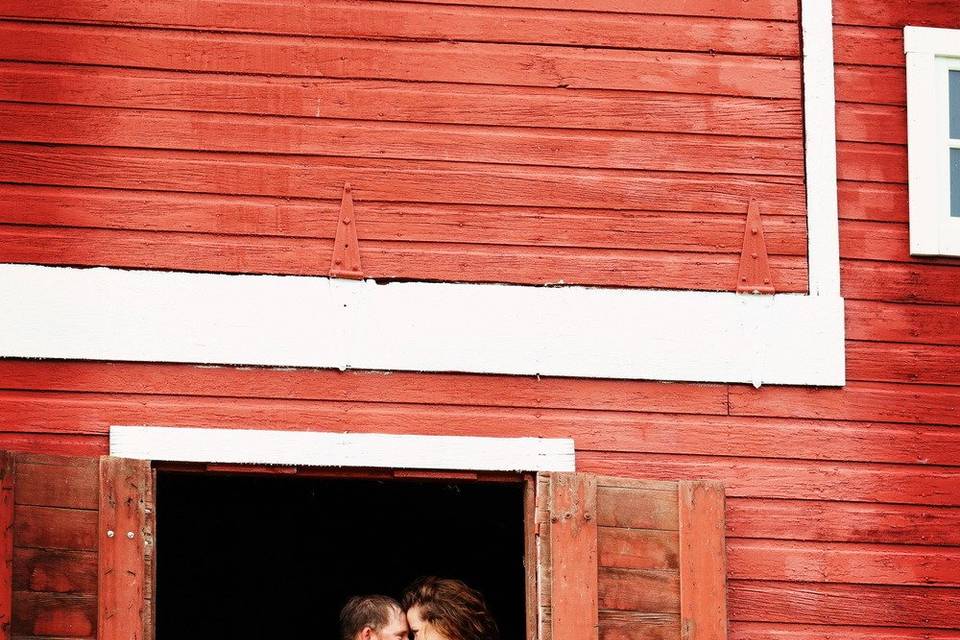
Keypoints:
pixel 76 542
pixel 622 559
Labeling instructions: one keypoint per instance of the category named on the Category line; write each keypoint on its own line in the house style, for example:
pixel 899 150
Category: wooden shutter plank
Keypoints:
pixel 573 542
pixel 6 544
pixel 124 485
pixel 703 567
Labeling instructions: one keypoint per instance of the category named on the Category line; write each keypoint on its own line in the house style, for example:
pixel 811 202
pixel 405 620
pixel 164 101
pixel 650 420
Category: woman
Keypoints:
pixel 447 609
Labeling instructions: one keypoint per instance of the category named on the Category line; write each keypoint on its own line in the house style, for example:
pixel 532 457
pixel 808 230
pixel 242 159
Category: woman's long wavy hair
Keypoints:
pixel 456 610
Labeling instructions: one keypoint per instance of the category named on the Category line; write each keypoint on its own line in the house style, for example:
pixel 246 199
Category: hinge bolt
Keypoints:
pixel 110 533
pixel 130 534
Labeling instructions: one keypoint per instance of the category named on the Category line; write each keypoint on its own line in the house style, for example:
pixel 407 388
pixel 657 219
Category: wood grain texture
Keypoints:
pixel 312 137
pixel 72 486
pixel 462 23
pixel 393 101
pixel 843 563
pixel 473 63
pixel 640 590
pixel 829 521
pixel 743 477
pixel 55 528
pixel 773 9
pixel 751 436
pixel 908 323
pixel 638 549
pixel 54 615
pixel 394 180
pixel 573 548
pixel 53 571
pixel 700 232
pixel 121 560
pixel 857 401
pixel 7 470
pixel 832 604
pixel 787 631
pixel 703 562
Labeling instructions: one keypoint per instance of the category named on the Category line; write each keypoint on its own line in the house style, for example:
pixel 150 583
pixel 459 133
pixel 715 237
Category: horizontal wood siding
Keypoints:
pixel 522 142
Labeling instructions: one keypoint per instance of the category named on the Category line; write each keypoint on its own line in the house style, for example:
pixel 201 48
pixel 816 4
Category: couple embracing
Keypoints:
pixel 430 609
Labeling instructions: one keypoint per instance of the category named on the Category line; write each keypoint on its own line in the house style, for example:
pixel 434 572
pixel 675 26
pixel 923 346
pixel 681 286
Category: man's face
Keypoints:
pixel 396 629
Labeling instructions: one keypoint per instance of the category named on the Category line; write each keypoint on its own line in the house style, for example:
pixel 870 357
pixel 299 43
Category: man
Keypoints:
pixel 373 618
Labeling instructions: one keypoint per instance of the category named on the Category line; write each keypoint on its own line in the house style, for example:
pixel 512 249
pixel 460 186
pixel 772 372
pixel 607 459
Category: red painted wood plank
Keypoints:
pixel 639 590
pixel 746 477
pixel 421 261
pixel 6 543
pixel 407 222
pixel 58 444
pixel 875 241
pixel 775 9
pixel 896 362
pixel 473 63
pixel 899 282
pixel 786 631
pixel 909 323
pixel 871 162
pixel 54 615
pixel 921 404
pixel 873 85
pixel 871 123
pixel 703 562
pixel 395 180
pixel 868 46
pixel 123 489
pixel 934 607
pixel 313 137
pixel 638 549
pixel 360 387
pixel 72 486
pixel 873 201
pixel 55 528
pixel 630 625
pixel 49 571
pixel 400 101
pixel 573 554
pixel 465 23
pixel 785 438
pixel 843 563
pixel 897 13
pixel 630 508
pixel 843 521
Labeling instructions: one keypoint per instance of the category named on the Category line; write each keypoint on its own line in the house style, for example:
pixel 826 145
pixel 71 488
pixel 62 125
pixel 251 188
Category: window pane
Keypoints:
pixel 954 104
pixel 955 183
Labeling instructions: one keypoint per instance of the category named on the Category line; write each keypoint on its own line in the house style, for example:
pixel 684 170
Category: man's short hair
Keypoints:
pixel 366 611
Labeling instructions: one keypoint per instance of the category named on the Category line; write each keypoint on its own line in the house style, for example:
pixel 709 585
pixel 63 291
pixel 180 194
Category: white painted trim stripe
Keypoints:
pixel 155 316
pixel 321 449
pixel 820 127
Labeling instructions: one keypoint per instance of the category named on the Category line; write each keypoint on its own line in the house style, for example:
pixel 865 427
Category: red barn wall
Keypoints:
pixel 483 143
pixel 843 504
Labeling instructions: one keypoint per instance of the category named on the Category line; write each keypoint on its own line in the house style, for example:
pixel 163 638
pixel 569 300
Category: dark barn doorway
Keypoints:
pixel 274 557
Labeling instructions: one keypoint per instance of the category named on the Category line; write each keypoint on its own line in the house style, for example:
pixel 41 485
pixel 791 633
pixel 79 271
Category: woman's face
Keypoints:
pixel 420 629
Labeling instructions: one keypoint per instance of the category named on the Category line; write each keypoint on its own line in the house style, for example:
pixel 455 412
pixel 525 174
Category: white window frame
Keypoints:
pixel 696 336
pixel 931 54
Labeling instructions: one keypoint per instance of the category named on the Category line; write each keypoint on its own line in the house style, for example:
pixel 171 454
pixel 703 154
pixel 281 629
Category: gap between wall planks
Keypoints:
pixel 574 569
pixel 703 566
pixel 6 544
pixel 124 487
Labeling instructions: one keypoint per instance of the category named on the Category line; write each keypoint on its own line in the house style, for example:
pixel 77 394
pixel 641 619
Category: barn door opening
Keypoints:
pixel 274 556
